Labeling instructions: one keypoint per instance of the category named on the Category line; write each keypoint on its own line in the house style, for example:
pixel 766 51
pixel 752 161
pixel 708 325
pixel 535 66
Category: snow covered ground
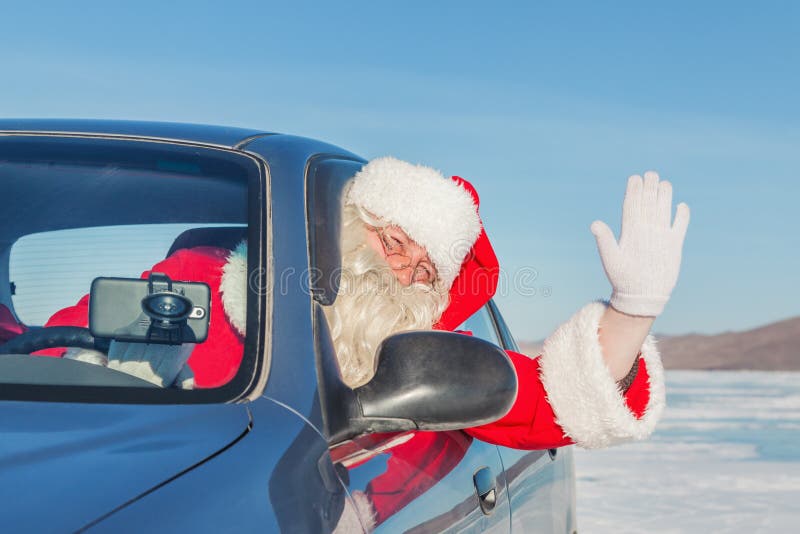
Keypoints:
pixel 725 458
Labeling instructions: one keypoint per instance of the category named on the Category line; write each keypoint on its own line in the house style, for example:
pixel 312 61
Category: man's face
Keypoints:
pixel 388 285
pixel 408 260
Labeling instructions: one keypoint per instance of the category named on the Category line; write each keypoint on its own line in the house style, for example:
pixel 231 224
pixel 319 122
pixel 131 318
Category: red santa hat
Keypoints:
pixel 435 212
pixel 440 214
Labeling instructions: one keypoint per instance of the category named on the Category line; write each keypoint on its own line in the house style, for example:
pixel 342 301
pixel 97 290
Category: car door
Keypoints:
pixel 541 483
pixel 424 482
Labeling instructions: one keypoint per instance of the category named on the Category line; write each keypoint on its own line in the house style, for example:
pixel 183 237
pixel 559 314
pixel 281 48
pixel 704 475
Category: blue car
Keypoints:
pixel 278 444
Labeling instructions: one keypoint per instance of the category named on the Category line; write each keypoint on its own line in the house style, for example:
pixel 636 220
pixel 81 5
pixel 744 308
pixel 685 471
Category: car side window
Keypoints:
pixel 481 325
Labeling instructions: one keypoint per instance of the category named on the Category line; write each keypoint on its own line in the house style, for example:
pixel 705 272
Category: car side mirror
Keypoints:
pixel 440 381
pixel 425 380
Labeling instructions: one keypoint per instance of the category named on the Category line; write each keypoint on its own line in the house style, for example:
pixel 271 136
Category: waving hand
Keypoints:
pixel 643 265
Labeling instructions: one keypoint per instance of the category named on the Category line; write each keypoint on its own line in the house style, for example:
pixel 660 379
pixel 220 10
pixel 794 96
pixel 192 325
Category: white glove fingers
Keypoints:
pixel 631 205
pixel 681 223
pixel 650 196
pixel 606 243
pixel 664 213
pixel 643 265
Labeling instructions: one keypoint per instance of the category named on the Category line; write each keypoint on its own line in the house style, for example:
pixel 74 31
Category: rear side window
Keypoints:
pixel 113 259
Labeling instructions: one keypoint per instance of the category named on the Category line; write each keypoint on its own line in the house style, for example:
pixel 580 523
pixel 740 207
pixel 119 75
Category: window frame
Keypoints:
pixel 509 343
pixel 254 368
pixel 499 340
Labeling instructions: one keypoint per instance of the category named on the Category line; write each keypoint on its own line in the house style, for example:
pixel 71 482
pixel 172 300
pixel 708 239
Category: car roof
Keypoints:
pixel 195 133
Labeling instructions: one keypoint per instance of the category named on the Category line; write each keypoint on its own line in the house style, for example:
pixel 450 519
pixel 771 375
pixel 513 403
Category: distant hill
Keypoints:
pixel 772 347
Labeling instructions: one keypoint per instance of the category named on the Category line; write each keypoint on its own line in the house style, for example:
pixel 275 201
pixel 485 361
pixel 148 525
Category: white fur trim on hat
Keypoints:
pixel 233 287
pixel 434 211
pixel 584 396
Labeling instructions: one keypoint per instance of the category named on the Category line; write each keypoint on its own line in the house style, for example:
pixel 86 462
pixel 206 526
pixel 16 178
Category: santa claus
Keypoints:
pixel 416 256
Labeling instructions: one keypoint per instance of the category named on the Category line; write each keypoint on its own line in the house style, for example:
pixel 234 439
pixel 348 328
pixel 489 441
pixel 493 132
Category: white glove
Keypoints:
pixel 163 365
pixel 643 267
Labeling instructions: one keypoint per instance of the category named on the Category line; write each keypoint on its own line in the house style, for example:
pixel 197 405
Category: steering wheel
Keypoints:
pixel 54 336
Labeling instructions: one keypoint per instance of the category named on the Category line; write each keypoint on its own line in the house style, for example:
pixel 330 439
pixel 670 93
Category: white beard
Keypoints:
pixel 372 304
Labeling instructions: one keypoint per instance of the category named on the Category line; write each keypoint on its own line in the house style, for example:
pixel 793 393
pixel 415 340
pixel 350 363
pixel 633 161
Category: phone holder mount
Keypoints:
pixel 163 317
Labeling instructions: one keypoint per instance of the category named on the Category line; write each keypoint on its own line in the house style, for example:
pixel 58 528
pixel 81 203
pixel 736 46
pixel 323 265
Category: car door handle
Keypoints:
pixel 486 488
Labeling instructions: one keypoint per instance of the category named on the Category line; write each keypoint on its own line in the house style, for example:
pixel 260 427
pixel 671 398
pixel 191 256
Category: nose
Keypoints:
pixel 405 265
pixel 402 267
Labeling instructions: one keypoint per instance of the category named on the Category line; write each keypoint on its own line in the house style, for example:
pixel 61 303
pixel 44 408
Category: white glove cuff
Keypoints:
pixel 647 306
pixel 585 398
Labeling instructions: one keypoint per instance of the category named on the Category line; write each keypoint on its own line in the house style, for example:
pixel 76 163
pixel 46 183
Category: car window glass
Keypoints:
pixel 480 325
pixel 508 339
pixel 159 225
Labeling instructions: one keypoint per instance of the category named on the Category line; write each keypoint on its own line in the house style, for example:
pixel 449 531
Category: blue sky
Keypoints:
pixel 546 108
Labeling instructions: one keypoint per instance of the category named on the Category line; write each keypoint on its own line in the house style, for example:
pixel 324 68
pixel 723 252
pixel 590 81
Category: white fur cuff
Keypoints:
pixel 582 392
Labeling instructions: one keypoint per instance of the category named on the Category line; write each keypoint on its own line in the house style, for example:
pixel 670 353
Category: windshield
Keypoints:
pixel 113 259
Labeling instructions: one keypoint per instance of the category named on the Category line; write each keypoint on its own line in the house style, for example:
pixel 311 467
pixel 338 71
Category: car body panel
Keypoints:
pixel 267 482
pixel 423 481
pixel 541 489
pixel 84 460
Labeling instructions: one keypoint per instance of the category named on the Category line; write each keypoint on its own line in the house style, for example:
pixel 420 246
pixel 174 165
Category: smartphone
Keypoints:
pixel 122 309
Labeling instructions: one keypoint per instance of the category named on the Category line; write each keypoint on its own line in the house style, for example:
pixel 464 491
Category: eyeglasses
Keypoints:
pixel 396 243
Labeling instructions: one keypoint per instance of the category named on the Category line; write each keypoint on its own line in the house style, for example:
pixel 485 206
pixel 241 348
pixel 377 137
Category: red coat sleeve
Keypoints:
pixel 531 422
